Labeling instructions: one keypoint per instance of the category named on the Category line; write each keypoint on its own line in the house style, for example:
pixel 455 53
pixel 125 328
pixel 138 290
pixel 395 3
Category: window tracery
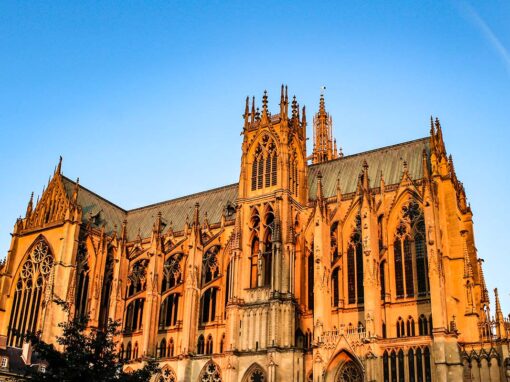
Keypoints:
pixel 210 265
pixel 265 164
pixel 210 373
pixel 137 277
pixel 172 272
pixel 255 374
pixel 410 252
pixel 32 282
pixel 349 372
pixel 167 375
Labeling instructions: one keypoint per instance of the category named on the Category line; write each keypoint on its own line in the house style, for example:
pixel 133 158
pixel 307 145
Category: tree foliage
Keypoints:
pixel 89 354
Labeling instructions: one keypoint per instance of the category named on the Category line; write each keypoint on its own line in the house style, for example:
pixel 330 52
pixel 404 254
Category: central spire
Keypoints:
pixel 324 146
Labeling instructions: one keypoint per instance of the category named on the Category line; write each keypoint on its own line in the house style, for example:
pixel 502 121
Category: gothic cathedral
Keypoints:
pixel 320 267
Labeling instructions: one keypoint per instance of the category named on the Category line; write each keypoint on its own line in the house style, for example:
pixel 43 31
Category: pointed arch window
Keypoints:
pixel 169 311
pixel 410 365
pixel 267 255
pixel 172 272
pixel 411 331
pixel 201 344
pixel 210 265
pixel 171 347
pixel 355 266
pixel 334 285
pixel 410 253
pixel 208 305
pixel 265 165
pixel 423 326
pixel 32 282
pixel 137 277
pixel 310 264
pixel 106 290
pixel 393 359
pixel 162 348
pixel 135 350
pixel 134 315
pixel 419 365
pixel 255 248
pixel 222 343
pixel 401 372
pixel 82 284
pixel 386 368
pixel 334 242
pixel 128 351
pixel 209 345
pixel 400 328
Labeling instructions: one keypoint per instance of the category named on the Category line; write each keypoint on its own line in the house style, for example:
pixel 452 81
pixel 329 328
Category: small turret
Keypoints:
pixel 323 135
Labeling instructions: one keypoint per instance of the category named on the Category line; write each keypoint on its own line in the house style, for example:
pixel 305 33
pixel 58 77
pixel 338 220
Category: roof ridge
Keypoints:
pixel 95 194
pixel 183 197
pixel 371 151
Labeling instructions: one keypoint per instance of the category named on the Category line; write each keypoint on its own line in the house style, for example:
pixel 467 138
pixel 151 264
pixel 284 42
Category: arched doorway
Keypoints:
pixel 349 372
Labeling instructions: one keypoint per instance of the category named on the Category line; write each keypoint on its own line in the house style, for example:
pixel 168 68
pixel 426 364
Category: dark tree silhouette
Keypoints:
pixel 89 354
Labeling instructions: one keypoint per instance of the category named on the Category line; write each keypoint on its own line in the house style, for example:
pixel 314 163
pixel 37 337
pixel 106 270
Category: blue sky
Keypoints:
pixel 144 99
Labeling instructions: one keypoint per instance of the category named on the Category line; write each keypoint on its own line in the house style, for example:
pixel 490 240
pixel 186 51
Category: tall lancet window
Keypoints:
pixel 410 253
pixel 210 265
pixel 264 170
pixel 268 247
pixel 310 271
pixel 107 289
pixel 82 280
pixel 355 266
pixel 30 291
pixel 255 248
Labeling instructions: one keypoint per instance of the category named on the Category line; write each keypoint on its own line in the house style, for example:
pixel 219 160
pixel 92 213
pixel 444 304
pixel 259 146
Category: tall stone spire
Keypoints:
pixel 323 149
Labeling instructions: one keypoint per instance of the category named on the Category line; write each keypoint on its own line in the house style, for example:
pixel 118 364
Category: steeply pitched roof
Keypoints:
pixel 174 212
pixel 389 160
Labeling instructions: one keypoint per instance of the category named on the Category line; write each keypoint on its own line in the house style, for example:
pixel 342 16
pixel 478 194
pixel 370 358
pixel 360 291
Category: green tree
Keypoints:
pixel 89 354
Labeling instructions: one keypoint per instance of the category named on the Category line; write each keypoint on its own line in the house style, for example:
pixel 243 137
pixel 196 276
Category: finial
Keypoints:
pixel 59 166
pixel 30 205
pixel 246 114
pixel 76 189
pixel 286 95
pixel 257 115
pixel 294 107
pixel 253 109
pixel 432 131
pixel 341 153
pixel 303 120
pixel 196 214
pixel 498 304
pixel 264 102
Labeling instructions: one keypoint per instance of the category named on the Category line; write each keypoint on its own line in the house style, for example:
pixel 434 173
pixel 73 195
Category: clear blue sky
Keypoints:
pixel 144 99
